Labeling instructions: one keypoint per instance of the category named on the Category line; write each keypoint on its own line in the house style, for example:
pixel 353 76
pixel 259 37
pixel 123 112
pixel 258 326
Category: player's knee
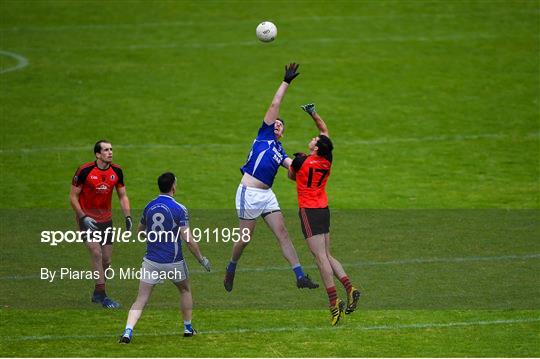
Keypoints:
pixel 95 253
pixel 106 262
pixel 184 288
pixel 320 256
pixel 184 291
pixel 323 263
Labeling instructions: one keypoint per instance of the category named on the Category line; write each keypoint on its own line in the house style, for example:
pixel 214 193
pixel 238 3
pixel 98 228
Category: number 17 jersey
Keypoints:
pixel 312 173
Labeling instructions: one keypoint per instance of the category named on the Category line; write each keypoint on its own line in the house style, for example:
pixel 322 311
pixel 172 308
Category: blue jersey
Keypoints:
pixel 163 217
pixel 265 157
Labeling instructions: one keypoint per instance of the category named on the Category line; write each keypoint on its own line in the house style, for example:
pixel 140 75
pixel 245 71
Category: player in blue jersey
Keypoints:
pixel 163 221
pixel 254 196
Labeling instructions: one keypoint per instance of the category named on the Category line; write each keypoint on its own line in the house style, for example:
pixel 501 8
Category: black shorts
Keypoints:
pixel 102 226
pixel 314 221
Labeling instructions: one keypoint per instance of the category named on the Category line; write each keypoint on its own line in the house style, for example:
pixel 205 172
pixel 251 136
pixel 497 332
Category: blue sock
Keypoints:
pixel 298 271
pixel 231 267
pixel 127 332
pixel 187 326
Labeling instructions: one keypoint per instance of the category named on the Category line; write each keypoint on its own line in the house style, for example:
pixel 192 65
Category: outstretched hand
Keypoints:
pixel 309 108
pixel 290 72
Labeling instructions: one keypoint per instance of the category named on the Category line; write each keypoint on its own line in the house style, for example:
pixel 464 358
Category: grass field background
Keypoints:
pixel 433 108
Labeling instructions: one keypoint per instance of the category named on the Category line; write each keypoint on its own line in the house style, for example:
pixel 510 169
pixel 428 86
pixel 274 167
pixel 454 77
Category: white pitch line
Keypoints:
pixel 290 329
pixel 254 42
pixel 221 22
pixel 347 142
pixel 405 262
pixel 21 61
pixel 355 264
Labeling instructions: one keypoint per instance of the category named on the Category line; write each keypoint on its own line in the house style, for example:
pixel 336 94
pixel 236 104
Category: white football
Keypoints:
pixel 266 31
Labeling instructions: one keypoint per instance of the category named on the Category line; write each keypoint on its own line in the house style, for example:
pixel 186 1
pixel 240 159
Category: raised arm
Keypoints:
pixel 273 111
pixel 321 125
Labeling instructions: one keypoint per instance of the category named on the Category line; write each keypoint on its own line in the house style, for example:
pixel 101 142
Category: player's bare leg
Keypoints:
pixel 96 260
pixel 276 223
pixel 186 300
pixel 247 227
pixel 337 268
pixel 186 306
pixel 317 245
pixel 145 290
pixel 353 294
pixel 106 256
pixel 96 263
pixel 101 260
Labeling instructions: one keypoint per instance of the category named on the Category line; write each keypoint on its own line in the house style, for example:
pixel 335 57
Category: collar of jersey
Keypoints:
pixel 102 169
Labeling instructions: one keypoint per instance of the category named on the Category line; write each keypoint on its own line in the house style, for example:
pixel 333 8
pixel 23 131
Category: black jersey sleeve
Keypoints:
pixel 298 161
pixel 120 175
pixel 80 175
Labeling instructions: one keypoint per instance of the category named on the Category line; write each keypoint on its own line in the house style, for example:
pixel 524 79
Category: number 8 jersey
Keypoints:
pixel 163 217
pixel 312 173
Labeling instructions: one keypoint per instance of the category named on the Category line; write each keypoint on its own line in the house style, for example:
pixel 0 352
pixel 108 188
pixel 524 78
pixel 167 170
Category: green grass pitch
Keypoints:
pixel 433 107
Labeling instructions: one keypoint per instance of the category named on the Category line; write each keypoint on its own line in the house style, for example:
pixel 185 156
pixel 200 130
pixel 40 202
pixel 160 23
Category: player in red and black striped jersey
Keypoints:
pixel 311 173
pixel 90 197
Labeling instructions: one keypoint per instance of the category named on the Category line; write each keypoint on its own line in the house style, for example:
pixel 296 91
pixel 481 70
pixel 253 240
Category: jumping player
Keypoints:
pixel 255 197
pixel 162 220
pixel 311 174
pixel 90 197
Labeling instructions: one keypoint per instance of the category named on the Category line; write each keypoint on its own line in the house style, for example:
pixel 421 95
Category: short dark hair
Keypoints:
pixel 97 146
pixel 324 145
pixel 282 121
pixel 166 181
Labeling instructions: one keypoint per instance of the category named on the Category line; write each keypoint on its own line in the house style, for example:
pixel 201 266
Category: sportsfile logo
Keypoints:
pixel 111 234
pixel 114 234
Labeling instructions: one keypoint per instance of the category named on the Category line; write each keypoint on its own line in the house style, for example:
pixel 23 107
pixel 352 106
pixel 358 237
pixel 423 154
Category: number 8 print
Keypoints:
pixel 158 220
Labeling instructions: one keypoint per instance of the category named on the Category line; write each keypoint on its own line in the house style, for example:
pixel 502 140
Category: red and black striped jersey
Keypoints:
pixel 96 189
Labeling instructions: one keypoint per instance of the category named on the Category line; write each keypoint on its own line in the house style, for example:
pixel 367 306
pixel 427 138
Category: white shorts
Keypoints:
pixel 253 202
pixel 154 273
